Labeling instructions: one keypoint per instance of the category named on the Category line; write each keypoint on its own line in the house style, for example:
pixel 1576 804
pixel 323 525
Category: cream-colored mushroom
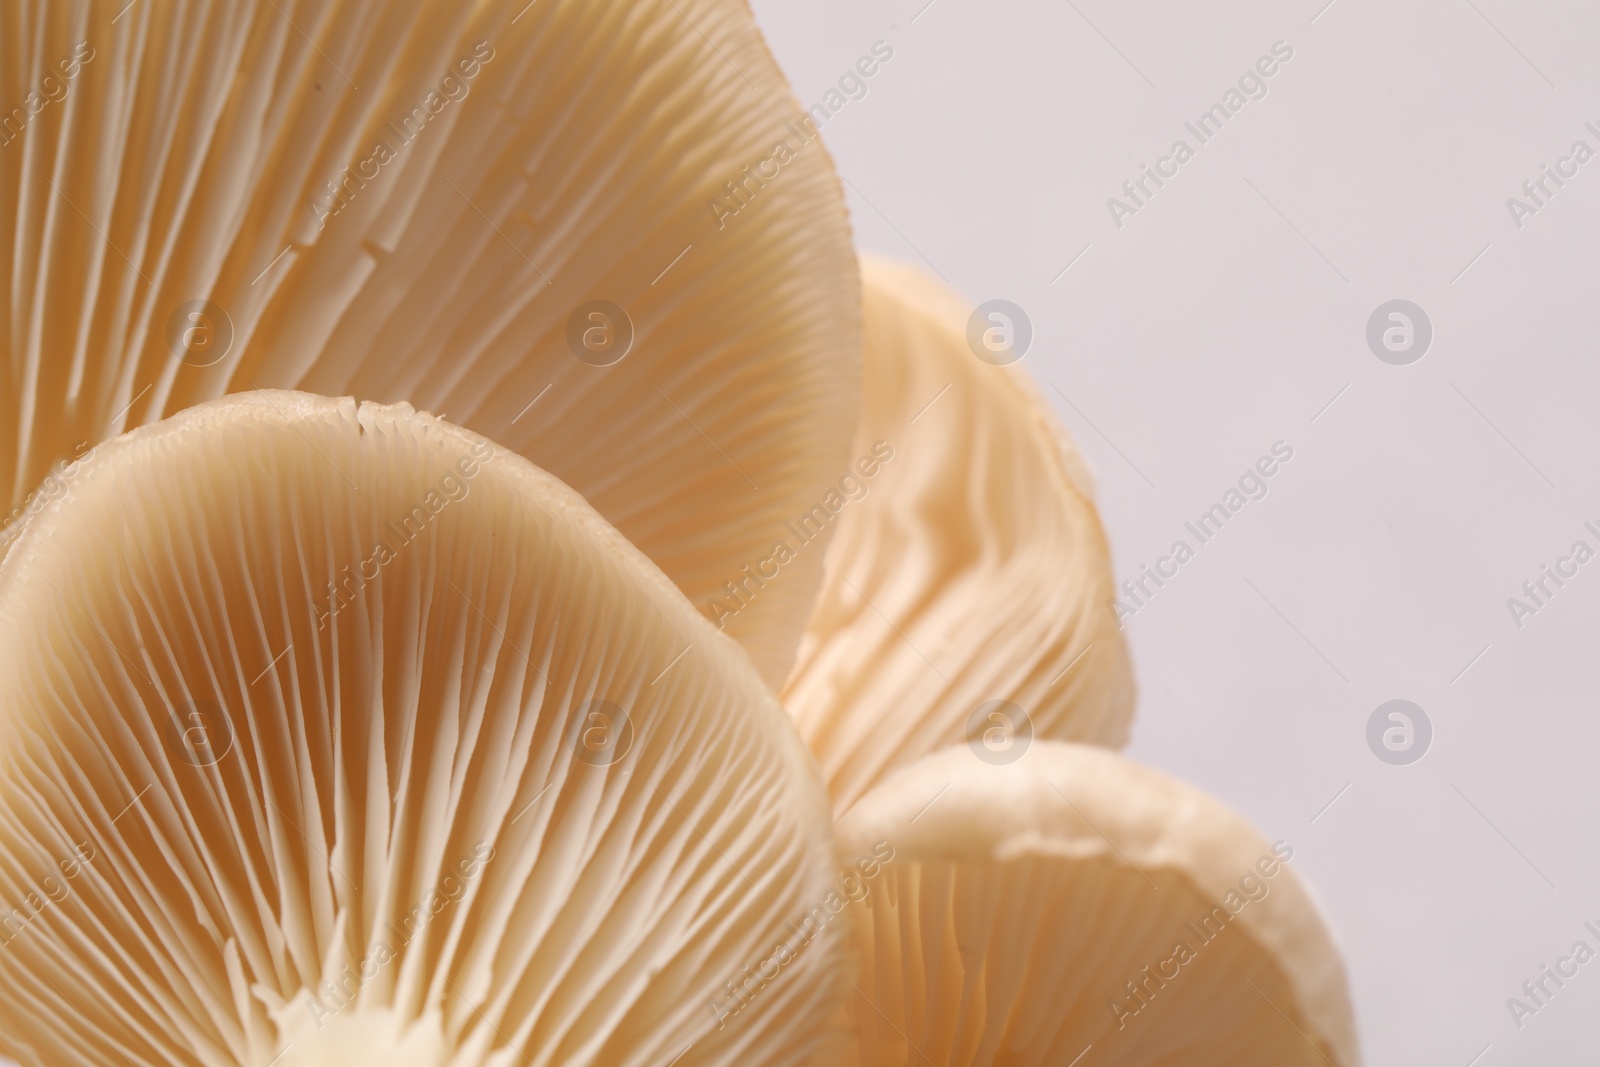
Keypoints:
pixel 601 233
pixel 337 734
pixel 971 577
pixel 1073 904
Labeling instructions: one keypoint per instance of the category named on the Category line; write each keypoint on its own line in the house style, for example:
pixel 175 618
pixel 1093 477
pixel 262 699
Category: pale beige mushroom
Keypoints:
pixel 1076 905
pixel 970 570
pixel 337 734
pixel 420 201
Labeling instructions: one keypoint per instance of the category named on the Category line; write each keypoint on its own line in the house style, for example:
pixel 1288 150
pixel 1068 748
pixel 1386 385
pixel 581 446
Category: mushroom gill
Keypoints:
pixel 600 232
pixel 1076 905
pixel 334 734
pixel 969 572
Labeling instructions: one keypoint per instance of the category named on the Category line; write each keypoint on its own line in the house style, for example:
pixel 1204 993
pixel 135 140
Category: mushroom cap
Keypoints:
pixel 973 570
pixel 1033 910
pixel 332 726
pixel 468 207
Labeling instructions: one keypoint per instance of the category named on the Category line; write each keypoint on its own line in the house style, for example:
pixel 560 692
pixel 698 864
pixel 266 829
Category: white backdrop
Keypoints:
pixel 1230 312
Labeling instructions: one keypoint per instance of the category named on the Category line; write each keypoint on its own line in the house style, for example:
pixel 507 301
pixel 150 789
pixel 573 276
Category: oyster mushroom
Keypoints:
pixel 970 572
pixel 368 741
pixel 1074 902
pixel 600 232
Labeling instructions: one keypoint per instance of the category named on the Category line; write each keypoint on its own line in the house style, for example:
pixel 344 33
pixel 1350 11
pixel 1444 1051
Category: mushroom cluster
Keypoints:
pixel 491 578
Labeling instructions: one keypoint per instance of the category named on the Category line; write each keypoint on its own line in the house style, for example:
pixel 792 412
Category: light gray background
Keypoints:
pixel 1226 315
